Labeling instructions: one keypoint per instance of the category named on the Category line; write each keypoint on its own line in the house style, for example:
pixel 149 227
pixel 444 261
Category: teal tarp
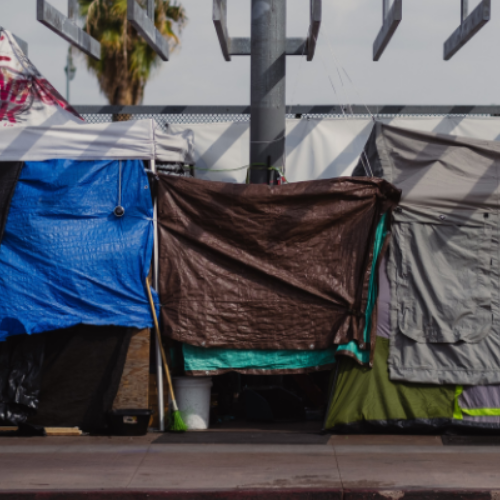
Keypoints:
pixel 363 356
pixel 199 359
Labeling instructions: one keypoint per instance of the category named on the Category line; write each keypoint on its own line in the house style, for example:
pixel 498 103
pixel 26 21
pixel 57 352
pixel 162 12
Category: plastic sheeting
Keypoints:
pixel 21 360
pixel 315 148
pixel 201 361
pixel 66 258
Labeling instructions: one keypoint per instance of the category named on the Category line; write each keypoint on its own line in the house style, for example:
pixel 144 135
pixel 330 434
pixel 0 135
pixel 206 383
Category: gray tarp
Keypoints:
pixel 443 264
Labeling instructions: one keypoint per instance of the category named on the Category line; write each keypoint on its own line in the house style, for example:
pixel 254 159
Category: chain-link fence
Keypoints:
pixel 164 115
pixel 162 120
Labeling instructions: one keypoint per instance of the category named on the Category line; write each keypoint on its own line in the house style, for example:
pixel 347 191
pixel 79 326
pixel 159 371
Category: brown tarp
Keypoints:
pixel 9 174
pixel 267 267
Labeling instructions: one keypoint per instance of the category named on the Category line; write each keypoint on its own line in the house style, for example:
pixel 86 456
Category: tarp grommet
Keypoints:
pixel 119 211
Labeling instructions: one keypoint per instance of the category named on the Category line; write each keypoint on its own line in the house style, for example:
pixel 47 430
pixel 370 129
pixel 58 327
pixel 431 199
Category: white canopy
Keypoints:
pixel 315 148
pixel 117 140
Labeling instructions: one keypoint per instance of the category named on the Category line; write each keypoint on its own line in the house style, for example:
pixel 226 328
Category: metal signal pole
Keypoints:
pixel 268 88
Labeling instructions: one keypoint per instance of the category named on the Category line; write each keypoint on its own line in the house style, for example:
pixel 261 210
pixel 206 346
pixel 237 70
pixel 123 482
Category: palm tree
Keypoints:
pixel 126 59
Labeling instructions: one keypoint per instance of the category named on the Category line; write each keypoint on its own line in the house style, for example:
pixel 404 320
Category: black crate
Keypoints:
pixel 129 422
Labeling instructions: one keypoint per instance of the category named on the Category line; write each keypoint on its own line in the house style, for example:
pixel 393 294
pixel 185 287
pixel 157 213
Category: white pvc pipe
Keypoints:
pixel 159 367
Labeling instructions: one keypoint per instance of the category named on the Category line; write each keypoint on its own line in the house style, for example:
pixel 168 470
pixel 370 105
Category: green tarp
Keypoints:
pixel 364 395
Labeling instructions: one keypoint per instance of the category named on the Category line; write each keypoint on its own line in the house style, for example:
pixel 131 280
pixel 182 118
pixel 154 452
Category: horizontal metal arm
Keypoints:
pixel 315 24
pixel 242 46
pixel 393 17
pixel 219 17
pixel 138 18
pixel 66 28
pixel 468 28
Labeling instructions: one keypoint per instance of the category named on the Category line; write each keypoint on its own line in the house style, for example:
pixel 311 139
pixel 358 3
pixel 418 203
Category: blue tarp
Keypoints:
pixel 66 258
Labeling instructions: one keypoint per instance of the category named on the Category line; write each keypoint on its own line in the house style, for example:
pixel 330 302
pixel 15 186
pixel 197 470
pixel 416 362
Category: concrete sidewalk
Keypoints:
pixel 348 467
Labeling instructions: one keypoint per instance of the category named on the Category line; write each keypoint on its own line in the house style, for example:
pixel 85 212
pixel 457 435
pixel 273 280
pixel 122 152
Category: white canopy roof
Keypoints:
pixel 117 140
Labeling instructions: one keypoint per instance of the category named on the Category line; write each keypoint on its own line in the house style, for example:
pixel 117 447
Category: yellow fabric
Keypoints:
pixel 473 412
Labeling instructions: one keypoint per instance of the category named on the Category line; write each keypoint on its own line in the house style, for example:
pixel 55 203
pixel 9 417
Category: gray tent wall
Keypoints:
pixel 443 265
pixel 439 301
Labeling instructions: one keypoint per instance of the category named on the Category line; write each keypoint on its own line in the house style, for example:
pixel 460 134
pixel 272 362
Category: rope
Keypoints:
pixel 221 169
pixel 356 90
pixel 363 157
pixel 348 77
pixel 263 166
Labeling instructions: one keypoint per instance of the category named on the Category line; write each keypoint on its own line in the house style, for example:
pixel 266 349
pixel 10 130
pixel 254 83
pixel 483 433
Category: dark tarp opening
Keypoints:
pixel 268 267
pixel 81 374
pixel 9 174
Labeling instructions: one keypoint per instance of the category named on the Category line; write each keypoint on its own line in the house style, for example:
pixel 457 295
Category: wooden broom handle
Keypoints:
pixel 157 328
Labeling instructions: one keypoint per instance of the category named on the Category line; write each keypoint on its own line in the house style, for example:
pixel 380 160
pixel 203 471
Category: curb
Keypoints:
pixel 262 494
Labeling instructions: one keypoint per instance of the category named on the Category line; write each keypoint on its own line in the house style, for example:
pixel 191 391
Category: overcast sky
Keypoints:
pixel 411 71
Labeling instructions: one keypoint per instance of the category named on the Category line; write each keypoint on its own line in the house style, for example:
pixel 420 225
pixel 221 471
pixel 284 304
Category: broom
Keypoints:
pixel 176 422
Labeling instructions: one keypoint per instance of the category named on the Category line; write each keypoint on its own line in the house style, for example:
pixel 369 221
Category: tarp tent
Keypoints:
pixel 316 149
pixel 260 269
pixel 443 265
pixel 66 258
pixel 365 400
pixel 439 292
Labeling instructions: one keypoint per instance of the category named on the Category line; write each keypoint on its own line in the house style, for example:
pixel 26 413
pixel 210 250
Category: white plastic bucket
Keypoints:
pixel 193 399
